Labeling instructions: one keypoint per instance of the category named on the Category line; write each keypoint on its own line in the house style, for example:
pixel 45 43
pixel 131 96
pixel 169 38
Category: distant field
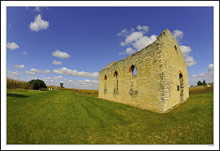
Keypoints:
pixel 65 117
pixel 201 89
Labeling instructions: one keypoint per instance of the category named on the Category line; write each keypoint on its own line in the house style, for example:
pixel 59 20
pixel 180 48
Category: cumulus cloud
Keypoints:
pixel 12 46
pixel 45 71
pixel 133 37
pixel 178 34
pixel 13 74
pixel 190 61
pixel 47 78
pixel 207 76
pixel 39 24
pixel 70 72
pixel 19 66
pixel 69 83
pixel 143 28
pixel 60 54
pixel 136 39
pixel 127 51
pixel 123 32
pixel 207 73
pixel 59 77
pixel 210 67
pixel 144 41
pixel 185 50
pixel 34 71
pixel 29 72
pixel 57 62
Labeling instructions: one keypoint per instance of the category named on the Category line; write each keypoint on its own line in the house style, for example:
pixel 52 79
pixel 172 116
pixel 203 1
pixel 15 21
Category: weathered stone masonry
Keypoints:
pixel 161 79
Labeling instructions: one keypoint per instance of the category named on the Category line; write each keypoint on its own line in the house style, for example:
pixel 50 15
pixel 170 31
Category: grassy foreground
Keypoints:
pixel 64 117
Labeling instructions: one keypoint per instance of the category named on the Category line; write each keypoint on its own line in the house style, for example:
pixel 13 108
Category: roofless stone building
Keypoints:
pixel 154 78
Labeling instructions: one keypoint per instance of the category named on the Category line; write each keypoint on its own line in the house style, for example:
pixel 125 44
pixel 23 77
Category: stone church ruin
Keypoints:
pixel 154 78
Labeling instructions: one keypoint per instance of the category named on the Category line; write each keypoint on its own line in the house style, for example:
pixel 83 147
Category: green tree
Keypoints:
pixel 204 83
pixel 37 84
pixel 61 85
pixel 199 83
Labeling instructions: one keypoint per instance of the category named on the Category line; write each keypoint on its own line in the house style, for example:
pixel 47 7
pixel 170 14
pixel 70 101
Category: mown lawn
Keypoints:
pixel 64 117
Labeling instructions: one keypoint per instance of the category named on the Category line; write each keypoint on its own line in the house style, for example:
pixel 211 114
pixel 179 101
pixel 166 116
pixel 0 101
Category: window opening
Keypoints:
pixel 175 47
pixel 116 76
pixel 133 69
pixel 105 84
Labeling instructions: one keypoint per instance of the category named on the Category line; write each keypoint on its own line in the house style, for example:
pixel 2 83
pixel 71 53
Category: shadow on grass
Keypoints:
pixel 17 95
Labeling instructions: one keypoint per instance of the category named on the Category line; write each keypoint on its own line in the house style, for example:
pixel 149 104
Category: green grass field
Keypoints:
pixel 64 117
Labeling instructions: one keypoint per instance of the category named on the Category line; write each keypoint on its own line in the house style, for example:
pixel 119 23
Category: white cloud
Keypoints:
pixel 12 46
pixel 185 50
pixel 144 41
pixel 207 76
pixel 45 71
pixel 47 78
pixel 133 37
pixel 178 34
pixel 136 39
pixel 70 72
pixel 29 72
pixel 19 66
pixel 25 53
pixel 60 54
pixel 57 62
pixel 210 67
pixel 68 83
pixel 12 73
pixel 123 32
pixel 190 61
pixel 37 9
pixel 127 51
pixel 34 71
pixel 59 77
pixel 39 24
pixel 143 28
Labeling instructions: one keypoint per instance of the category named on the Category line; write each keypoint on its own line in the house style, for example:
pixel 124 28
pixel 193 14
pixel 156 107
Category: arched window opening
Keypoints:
pixel 105 78
pixel 133 69
pixel 116 83
pixel 180 75
pixel 115 74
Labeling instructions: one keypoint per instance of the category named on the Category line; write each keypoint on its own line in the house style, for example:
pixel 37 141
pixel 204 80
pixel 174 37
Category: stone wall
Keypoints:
pixel 154 87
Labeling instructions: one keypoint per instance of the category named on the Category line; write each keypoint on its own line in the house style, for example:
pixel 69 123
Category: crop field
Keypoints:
pixel 67 117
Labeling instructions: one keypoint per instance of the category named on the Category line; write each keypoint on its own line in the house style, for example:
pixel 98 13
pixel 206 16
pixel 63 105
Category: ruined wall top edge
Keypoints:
pixel 163 34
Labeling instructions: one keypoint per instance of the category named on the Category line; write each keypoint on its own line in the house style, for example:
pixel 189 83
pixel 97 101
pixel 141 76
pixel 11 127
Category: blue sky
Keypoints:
pixel 83 40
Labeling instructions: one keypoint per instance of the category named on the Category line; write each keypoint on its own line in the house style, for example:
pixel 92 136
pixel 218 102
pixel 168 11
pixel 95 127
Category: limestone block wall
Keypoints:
pixel 154 87
pixel 177 90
